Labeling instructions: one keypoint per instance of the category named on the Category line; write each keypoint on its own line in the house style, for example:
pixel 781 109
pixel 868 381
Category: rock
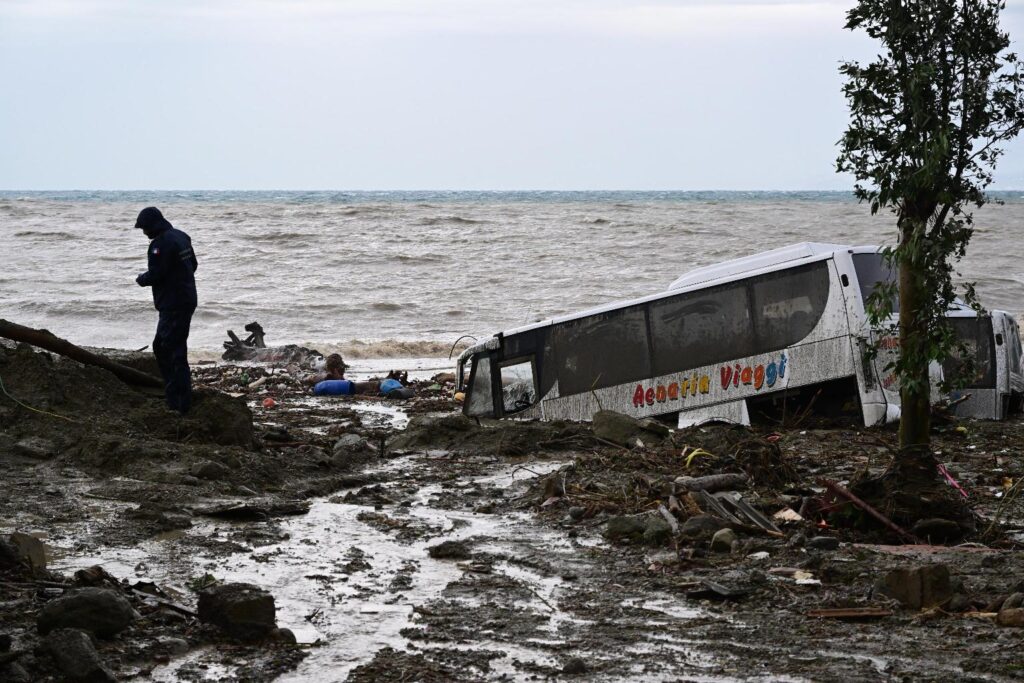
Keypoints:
pixel 242 610
pixel 958 603
pixel 995 604
pixel 1011 617
pixel 615 427
pixel 1014 601
pixel 666 558
pixel 654 427
pixel 75 656
pixel 576 513
pixel 625 528
pixel 30 550
pixel 209 470
pixel 657 531
pixel 449 550
pixel 36 447
pixel 102 611
pixel 20 552
pixel 823 543
pixel 351 450
pixel 169 521
pixel 624 430
pixel 936 530
pixel 702 524
pixel 176 646
pixel 918 587
pixel 349 441
pixel 574 667
pixel 722 541
pixel 284 635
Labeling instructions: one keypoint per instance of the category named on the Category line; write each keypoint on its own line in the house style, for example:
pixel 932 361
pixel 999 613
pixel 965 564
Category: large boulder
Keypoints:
pixel 31 550
pixel 102 611
pixel 624 430
pixel 75 657
pixel 22 555
pixel 242 610
pixel 626 528
pixel 351 450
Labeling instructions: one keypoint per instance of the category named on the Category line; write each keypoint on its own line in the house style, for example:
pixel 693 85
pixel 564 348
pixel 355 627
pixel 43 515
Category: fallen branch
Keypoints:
pixel 45 339
pixel 888 523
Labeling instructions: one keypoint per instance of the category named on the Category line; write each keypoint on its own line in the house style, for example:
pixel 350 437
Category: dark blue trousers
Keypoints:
pixel 171 349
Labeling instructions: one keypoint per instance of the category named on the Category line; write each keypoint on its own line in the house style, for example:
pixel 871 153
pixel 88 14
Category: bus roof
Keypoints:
pixel 796 253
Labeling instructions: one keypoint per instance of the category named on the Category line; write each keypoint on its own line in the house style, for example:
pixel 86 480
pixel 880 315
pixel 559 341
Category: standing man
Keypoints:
pixel 171 274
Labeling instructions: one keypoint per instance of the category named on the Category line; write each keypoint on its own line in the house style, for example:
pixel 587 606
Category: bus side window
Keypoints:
pixel 602 350
pixel 518 388
pixel 481 399
pixel 701 328
pixel 788 305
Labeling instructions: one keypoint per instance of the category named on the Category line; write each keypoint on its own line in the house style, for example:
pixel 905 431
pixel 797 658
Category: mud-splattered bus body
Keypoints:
pixel 747 334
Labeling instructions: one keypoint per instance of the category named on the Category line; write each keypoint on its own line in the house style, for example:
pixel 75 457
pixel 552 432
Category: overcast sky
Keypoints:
pixel 429 94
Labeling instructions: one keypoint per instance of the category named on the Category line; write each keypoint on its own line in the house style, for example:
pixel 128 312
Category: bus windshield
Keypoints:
pixel 872 270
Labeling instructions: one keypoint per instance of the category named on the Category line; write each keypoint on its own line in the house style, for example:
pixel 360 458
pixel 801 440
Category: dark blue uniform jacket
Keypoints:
pixel 171 274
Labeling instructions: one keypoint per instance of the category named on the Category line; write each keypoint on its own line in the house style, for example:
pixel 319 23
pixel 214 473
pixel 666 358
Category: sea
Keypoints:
pixel 394 275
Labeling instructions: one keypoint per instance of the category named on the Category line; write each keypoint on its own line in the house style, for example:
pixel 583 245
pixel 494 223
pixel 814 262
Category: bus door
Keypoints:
pixel 480 388
pixel 876 379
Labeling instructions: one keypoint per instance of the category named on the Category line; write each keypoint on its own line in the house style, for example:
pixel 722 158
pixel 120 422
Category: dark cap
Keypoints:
pixel 150 218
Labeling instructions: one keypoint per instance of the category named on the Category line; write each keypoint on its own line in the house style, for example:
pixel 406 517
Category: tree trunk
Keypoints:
pixel 45 339
pixel 915 462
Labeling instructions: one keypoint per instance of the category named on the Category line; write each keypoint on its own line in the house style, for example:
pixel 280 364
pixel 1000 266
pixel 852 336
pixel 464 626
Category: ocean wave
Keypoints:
pixel 391 348
pixel 47 235
pixel 416 258
pixel 284 236
pixel 389 306
pixel 450 220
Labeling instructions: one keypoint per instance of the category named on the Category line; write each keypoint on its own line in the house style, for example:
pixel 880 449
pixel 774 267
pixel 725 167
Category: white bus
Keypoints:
pixel 747 334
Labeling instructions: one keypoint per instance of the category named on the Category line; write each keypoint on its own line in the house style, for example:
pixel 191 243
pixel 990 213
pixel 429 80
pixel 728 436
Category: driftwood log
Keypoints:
pixel 45 339
pixel 237 349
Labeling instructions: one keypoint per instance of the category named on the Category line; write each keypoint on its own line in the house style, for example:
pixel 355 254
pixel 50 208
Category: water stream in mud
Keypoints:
pixel 352 613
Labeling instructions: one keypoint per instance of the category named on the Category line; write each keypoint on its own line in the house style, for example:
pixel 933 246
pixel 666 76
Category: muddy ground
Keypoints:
pixel 404 542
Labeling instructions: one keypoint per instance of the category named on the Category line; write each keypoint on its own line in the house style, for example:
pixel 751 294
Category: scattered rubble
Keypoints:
pixel 730 526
